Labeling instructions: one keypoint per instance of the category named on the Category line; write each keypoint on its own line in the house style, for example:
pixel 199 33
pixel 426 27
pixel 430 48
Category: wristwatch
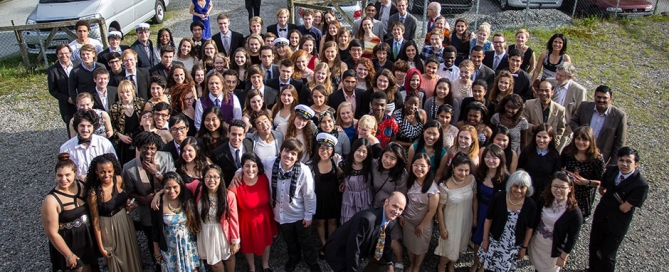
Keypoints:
pixel 157 174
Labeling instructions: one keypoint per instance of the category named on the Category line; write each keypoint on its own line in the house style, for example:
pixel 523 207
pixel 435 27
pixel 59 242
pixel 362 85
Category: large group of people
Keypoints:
pixel 223 142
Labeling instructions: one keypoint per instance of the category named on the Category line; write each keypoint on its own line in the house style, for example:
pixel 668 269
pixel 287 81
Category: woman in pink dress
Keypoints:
pixel 256 220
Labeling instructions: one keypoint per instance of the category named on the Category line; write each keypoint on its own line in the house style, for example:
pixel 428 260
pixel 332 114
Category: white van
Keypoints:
pixel 121 15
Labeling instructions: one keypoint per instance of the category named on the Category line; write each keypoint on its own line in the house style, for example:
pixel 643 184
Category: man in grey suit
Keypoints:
pixel 267 59
pixel 568 94
pixel 143 176
pixel 544 110
pixel 370 11
pixel 481 71
pixel 410 22
pixel 608 122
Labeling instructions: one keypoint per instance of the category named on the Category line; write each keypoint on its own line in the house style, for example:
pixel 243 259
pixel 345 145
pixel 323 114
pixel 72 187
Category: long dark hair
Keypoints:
pixel 205 134
pixel 397 171
pixel 508 152
pixel 547 194
pixel 366 164
pixel 222 206
pixel 186 201
pixel 429 177
pixel 460 158
pixel 585 133
pixel 438 145
pixel 200 159
pixel 500 172
pixel 530 148
pixel 93 184
pixel 517 101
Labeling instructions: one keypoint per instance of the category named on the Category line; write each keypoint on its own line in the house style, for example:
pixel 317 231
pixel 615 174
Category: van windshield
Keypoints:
pixel 60 1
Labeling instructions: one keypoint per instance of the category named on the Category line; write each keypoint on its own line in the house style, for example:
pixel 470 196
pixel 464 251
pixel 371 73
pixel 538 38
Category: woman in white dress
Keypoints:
pixel 288 99
pixel 456 212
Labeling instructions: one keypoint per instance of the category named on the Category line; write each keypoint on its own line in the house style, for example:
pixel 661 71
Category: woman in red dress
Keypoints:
pixel 256 219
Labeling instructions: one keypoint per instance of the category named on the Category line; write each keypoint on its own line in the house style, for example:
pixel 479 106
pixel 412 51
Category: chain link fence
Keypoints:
pixel 34 46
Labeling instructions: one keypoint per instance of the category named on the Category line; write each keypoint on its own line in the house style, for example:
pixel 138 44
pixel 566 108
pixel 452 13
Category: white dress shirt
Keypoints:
pixel 83 156
pixel 452 75
pixel 303 204
pixel 103 98
pixel 236 109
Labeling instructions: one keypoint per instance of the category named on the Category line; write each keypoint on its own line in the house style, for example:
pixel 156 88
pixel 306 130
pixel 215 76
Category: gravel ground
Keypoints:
pixel 32 133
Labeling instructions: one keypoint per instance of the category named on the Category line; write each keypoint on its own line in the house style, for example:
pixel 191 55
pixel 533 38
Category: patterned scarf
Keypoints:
pixel 277 175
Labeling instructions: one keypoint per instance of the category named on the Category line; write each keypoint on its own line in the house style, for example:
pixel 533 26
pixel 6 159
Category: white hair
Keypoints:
pixel 522 178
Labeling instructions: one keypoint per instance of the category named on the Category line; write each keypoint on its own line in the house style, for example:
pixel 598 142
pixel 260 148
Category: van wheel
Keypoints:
pixel 160 12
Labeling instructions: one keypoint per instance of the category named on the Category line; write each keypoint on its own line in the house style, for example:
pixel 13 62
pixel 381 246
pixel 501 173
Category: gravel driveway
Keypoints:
pixel 32 133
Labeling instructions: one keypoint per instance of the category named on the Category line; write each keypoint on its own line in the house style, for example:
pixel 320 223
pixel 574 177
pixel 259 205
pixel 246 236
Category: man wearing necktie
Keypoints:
pixel 366 235
pixel 396 41
pixel 229 154
pixel 623 189
pixel 409 21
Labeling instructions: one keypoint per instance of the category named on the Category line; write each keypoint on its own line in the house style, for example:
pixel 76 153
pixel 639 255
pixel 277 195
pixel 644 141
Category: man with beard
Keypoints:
pixel 86 145
pixel 142 176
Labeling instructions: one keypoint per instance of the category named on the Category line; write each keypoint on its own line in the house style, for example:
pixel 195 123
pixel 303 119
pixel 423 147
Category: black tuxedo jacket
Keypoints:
pixel 103 57
pixel 223 157
pixel 357 239
pixel 143 76
pixel 274 29
pixel 275 72
pixel 161 70
pixel 143 60
pixel 271 96
pixel 489 59
pixel 486 73
pixel 302 90
pixel 337 98
pixel 237 41
pixel 391 42
pixel 634 189
pixel 112 97
pixel 170 148
pixel 393 10
pixel 57 80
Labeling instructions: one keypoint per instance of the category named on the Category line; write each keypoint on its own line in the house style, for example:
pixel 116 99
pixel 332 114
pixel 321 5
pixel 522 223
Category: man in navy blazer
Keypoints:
pixel 140 76
pixel 179 127
pixel 286 69
pixel 623 190
pixel 146 58
pixel 349 82
pixel 499 44
pixel 233 39
pixel 358 237
pixel 396 41
pixel 57 80
pixel 282 27
pixel 229 154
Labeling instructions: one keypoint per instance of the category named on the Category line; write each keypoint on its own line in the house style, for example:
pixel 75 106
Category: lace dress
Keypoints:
pixel 458 215
pixel 514 132
pixel 542 241
pixel 211 242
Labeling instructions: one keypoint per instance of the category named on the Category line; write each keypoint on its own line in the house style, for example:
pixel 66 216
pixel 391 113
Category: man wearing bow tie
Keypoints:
pixel 196 28
pixel 282 27
pixel 447 68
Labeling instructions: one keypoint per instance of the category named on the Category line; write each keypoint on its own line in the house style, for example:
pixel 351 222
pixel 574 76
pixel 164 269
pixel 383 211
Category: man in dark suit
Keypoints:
pixel 360 236
pixel 481 71
pixel 146 58
pixel 57 80
pixel 521 80
pixel 608 122
pixel 229 154
pixel 114 38
pixel 623 189
pixel 138 75
pixel 267 59
pixel 348 93
pixel 497 59
pixel 396 41
pixel 282 27
pixel 227 41
pixel 105 96
pixel 286 69
pixel 256 76
pixel 384 9
pixel 179 126
pixel 410 23
pixel 166 63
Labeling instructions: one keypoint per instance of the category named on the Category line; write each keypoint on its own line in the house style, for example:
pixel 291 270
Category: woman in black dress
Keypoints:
pixel 540 158
pixel 124 115
pixel 191 161
pixel 328 198
pixel 66 222
pixel 585 165
pixel 529 58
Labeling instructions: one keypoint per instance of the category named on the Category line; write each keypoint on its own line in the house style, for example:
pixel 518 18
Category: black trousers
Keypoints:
pixel 603 246
pixel 299 240
pixel 66 119
pixel 253 7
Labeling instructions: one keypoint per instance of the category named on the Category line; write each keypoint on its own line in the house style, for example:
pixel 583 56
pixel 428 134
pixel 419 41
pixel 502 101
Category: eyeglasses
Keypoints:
pixel 561 188
pixel 212 177
pixel 178 129
pixel 162 115
pixel 189 98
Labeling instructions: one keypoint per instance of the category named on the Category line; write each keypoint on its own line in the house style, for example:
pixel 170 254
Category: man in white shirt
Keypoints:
pixel 83 29
pixel 215 99
pixel 105 96
pixel 448 69
pixel 86 145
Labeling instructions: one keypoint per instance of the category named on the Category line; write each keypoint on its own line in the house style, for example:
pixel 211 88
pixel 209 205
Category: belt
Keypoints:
pixel 112 213
pixel 83 220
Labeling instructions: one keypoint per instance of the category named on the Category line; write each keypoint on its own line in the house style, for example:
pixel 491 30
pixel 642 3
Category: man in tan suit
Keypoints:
pixel 544 110
pixel 608 122
pixel 568 94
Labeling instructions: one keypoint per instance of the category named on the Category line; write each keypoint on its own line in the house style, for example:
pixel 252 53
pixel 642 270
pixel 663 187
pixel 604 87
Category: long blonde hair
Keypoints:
pixel 327 83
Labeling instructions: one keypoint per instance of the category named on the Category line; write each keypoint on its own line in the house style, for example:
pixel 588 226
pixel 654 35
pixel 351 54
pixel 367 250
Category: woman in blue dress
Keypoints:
pixel 201 10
